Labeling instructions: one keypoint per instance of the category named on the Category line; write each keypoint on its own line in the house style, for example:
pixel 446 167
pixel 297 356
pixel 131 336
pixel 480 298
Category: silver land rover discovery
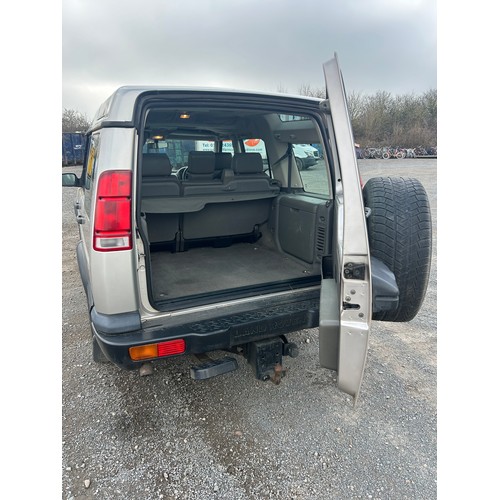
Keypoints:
pixel 192 241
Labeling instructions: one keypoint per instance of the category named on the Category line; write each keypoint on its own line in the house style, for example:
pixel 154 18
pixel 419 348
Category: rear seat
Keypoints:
pixel 200 175
pixel 201 166
pixel 159 182
pixel 222 162
pixel 201 206
pixel 248 164
pixel 247 175
pixel 157 177
pixel 236 205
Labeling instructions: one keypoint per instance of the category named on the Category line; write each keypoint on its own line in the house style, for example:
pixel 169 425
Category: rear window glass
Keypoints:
pixel 291 118
pixel 312 168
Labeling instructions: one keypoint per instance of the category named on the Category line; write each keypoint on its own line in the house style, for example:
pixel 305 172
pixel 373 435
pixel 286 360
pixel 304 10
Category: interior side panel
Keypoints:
pixel 302 224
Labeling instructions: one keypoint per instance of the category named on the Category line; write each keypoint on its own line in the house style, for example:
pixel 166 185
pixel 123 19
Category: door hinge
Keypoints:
pixel 354 271
pixel 325 105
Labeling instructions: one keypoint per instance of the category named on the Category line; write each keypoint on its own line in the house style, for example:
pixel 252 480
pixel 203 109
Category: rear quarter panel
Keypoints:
pixel 113 275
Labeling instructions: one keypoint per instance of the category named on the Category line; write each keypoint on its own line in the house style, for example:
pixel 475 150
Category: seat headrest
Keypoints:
pixel 223 161
pixel 201 162
pixel 247 163
pixel 156 165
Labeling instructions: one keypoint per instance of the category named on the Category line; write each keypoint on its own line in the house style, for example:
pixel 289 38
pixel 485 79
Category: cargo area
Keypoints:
pixel 209 270
pixel 228 208
pixel 282 253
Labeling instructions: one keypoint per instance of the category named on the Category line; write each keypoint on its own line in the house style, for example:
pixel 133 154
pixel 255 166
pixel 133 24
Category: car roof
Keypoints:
pixel 119 106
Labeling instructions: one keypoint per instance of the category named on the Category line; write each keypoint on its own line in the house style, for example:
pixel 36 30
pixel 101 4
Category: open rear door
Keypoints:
pixel 347 276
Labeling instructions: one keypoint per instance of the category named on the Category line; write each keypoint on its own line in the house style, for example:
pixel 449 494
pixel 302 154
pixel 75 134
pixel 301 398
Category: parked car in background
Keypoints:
pixel 305 156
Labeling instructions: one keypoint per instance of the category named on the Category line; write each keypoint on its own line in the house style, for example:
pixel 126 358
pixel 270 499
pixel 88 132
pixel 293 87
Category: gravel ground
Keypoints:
pixel 167 436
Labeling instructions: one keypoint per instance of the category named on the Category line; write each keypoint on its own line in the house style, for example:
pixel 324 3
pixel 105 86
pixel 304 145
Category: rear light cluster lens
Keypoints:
pixel 113 213
pixel 160 350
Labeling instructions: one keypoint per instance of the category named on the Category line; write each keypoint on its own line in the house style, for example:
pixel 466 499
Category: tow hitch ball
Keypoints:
pixel 266 357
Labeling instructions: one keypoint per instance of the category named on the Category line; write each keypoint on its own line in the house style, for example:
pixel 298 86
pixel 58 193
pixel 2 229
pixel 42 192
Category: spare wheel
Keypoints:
pixel 400 235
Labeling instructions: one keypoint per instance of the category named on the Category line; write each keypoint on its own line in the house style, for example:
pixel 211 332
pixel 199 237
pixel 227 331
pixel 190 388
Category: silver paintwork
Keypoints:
pixel 354 323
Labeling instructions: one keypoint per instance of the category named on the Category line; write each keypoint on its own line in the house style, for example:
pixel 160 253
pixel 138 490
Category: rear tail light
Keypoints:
pixel 113 212
pixel 160 350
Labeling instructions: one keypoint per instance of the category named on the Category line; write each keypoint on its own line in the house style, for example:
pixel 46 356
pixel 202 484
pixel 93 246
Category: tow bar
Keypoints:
pixel 266 357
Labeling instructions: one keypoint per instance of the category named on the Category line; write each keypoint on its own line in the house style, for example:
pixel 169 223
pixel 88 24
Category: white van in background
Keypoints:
pixel 305 155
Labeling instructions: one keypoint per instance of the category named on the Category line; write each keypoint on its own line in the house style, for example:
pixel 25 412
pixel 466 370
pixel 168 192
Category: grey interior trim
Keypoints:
pixel 165 205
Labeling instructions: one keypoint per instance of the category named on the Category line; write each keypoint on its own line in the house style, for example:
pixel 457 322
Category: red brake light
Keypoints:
pixel 113 211
pixel 151 351
pixel 171 347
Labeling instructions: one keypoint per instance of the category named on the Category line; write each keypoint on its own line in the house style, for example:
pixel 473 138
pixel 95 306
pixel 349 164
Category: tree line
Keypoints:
pixel 403 120
pixel 380 119
pixel 74 121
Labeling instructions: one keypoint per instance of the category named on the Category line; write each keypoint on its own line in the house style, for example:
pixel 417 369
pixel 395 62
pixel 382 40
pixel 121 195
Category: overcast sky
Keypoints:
pixel 259 44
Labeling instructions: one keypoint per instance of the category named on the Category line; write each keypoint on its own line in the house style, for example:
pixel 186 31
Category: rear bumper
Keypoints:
pixel 218 333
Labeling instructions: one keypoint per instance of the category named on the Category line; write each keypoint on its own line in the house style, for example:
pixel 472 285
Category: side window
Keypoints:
pixel 155 146
pixel 227 146
pixel 90 170
pixel 312 168
pixel 205 146
pixel 177 150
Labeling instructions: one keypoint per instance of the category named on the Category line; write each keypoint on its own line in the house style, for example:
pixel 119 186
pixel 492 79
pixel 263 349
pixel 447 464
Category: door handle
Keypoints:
pixel 77 206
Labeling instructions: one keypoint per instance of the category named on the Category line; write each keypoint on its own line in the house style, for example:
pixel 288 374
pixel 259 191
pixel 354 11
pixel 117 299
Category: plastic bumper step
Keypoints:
pixel 212 367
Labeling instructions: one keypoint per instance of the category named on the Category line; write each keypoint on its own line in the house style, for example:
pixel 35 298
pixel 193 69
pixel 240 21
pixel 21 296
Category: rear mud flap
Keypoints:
pixel 385 291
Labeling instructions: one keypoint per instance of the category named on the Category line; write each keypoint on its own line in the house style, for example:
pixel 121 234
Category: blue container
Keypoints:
pixel 73 148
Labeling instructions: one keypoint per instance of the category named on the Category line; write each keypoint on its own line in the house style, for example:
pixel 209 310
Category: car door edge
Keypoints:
pixel 354 272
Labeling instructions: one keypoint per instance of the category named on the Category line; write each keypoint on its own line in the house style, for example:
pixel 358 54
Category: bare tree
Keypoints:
pixel 74 121
pixel 307 90
pixel 356 102
pixel 405 120
pixel 282 89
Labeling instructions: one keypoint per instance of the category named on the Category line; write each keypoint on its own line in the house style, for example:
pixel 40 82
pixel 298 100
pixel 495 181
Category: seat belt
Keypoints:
pixel 289 155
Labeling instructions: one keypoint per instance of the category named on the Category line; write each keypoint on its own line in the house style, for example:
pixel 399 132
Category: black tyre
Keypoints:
pixel 300 163
pixel 400 235
pixel 97 354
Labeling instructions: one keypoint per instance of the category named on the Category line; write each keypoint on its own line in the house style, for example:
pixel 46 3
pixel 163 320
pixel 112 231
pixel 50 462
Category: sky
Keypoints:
pixel 267 45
